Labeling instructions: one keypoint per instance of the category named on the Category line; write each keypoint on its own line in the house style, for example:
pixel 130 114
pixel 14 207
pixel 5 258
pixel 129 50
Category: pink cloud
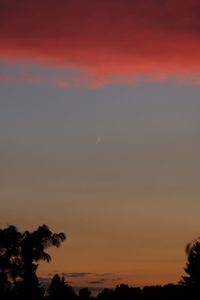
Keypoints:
pixel 105 37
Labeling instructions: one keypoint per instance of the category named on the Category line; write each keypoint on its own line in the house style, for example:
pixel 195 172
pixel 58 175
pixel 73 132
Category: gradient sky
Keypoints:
pixel 100 133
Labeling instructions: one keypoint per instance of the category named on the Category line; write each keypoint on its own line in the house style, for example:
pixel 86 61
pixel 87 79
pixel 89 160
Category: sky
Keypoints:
pixel 99 134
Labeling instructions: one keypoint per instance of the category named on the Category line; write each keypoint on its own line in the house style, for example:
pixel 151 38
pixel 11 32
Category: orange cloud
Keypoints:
pixel 105 37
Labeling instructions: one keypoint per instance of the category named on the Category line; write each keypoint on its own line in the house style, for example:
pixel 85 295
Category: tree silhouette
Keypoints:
pixel 84 294
pixel 33 247
pixel 193 265
pixel 10 261
pixel 19 254
pixel 105 294
pixel 60 290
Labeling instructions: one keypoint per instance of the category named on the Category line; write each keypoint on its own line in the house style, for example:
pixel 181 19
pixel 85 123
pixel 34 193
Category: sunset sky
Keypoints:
pixel 100 133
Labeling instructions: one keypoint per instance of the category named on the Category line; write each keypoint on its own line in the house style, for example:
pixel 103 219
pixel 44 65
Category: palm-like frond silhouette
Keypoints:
pixel 20 252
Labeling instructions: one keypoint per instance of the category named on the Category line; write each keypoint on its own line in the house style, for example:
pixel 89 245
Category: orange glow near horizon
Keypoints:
pixel 99 133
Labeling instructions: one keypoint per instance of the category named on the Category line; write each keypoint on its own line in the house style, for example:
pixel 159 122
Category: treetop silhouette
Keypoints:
pixel 192 268
pixel 20 252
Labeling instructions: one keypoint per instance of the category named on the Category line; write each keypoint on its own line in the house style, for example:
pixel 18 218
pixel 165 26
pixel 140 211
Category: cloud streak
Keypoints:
pixel 92 280
pixel 112 40
pixel 98 281
pixel 76 275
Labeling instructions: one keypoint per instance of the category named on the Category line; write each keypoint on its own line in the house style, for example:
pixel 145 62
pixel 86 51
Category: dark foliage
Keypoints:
pixel 20 253
pixel 193 265
pixel 84 294
pixel 60 290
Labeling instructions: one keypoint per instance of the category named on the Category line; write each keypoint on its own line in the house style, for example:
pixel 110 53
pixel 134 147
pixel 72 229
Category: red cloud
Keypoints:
pixel 106 37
